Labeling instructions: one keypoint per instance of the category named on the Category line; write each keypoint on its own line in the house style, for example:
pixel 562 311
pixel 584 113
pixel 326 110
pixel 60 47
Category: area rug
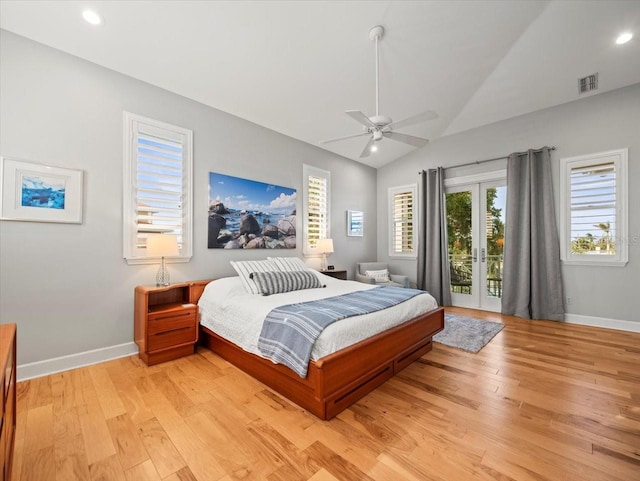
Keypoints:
pixel 467 333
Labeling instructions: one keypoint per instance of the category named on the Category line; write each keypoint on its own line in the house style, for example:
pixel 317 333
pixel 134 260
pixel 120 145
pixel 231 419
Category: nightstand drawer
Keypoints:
pixel 173 311
pixel 172 338
pixel 176 320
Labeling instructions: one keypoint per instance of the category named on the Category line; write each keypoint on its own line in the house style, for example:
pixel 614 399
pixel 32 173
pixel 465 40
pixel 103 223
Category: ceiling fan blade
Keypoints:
pixel 361 118
pixel 416 119
pixel 367 148
pixel 407 139
pixel 344 138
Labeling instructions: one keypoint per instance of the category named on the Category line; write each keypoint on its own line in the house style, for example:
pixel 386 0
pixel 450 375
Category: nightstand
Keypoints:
pixel 166 321
pixel 337 273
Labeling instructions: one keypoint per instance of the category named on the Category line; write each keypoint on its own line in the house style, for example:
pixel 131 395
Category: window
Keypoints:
pixel 157 186
pixel 317 186
pixel 402 239
pixel 593 215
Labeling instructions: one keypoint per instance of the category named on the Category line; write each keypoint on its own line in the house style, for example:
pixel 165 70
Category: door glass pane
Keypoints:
pixel 460 240
pixel 495 222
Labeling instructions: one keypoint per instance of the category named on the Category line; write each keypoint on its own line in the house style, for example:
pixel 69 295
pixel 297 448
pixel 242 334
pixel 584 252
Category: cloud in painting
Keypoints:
pixel 283 201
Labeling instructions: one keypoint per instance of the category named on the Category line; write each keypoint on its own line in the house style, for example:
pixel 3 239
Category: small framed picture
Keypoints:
pixel 40 193
pixel 355 223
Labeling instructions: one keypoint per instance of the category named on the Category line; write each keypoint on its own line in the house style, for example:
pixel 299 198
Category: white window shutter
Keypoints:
pixel 402 239
pixel 317 184
pixel 158 185
pixel 594 209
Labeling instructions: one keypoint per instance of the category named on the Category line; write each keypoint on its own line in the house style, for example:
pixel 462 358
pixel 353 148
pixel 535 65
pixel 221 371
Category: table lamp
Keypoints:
pixel 162 245
pixel 325 246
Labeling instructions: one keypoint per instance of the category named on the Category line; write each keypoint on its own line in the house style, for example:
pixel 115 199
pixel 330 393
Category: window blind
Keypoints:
pixel 593 208
pixel 159 187
pixel 317 209
pixel 402 222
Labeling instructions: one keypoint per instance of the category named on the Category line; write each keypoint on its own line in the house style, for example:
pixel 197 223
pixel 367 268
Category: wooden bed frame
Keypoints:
pixel 336 381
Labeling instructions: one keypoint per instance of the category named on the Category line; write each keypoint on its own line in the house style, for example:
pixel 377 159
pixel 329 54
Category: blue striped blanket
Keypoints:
pixel 289 332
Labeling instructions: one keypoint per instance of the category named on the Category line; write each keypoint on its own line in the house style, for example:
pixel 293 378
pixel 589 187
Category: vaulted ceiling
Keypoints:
pixel 296 67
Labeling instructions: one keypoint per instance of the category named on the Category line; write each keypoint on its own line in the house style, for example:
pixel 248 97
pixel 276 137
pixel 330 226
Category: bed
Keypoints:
pixel 350 358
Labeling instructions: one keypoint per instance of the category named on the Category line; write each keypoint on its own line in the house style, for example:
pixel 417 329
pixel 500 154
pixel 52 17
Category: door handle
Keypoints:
pixel 483 255
pixel 475 254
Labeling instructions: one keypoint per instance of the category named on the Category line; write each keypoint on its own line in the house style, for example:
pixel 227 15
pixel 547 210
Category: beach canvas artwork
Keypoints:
pixel 245 214
pixel 42 191
pixel 33 192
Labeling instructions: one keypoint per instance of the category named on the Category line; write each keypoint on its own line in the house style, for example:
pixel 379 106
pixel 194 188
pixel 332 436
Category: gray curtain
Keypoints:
pixel 532 281
pixel 433 258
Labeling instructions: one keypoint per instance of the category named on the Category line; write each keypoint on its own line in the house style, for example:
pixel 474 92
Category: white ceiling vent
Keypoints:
pixel 588 83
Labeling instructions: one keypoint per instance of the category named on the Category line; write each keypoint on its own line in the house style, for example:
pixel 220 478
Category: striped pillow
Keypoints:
pixel 278 282
pixel 245 268
pixel 287 264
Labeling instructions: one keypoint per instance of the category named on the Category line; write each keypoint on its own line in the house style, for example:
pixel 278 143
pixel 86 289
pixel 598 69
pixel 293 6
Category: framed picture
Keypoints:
pixel 245 214
pixel 355 223
pixel 40 193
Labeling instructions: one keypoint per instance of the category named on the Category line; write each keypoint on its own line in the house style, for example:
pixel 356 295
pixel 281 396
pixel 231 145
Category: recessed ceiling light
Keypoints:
pixel 92 17
pixel 624 38
pixel 374 148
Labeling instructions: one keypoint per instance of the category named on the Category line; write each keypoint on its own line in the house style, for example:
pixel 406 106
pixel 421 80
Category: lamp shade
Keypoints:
pixel 162 245
pixel 325 246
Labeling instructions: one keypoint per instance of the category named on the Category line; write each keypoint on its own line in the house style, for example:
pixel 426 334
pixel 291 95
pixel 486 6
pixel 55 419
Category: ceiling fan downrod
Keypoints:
pixel 376 34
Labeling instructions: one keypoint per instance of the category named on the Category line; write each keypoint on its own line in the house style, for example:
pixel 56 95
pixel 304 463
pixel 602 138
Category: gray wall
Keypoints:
pixel 66 285
pixel 598 123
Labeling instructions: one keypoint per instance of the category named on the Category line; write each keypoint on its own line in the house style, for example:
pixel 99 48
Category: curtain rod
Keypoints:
pixel 477 162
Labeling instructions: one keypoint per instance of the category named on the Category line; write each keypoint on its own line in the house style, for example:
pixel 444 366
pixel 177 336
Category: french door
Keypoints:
pixel 476 219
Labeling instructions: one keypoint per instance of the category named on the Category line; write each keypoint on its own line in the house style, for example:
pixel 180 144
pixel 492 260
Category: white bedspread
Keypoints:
pixel 229 311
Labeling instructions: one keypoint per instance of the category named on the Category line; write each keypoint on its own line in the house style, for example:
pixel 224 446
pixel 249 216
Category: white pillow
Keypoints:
pixel 245 268
pixel 380 276
pixel 289 264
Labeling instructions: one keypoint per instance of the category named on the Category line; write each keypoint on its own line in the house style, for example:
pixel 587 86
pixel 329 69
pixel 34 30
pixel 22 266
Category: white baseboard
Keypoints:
pixel 73 361
pixel 618 324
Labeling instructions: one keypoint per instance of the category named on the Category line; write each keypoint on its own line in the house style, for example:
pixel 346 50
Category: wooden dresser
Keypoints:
pixel 166 320
pixel 8 405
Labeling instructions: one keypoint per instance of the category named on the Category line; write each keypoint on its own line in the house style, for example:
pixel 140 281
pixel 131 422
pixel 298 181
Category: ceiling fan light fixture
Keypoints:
pixel 624 38
pixel 92 17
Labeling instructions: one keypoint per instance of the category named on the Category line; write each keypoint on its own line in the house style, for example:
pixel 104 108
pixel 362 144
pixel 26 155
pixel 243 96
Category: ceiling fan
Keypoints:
pixel 380 126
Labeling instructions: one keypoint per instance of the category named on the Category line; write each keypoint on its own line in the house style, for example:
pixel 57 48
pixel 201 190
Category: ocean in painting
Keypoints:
pixel 234 218
pixel 43 192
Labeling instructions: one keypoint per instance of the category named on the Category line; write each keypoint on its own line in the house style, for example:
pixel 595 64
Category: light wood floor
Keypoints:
pixel 543 401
